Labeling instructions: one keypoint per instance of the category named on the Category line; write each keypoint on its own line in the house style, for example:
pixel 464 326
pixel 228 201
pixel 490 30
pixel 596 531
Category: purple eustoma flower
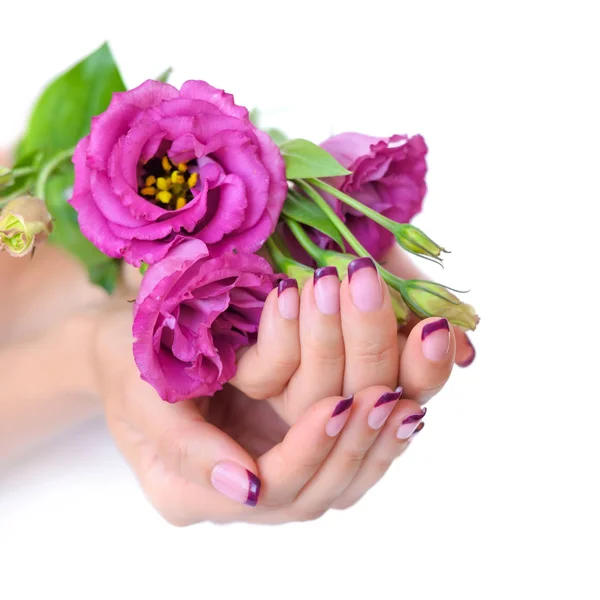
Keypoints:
pixel 388 175
pixel 191 315
pixel 162 165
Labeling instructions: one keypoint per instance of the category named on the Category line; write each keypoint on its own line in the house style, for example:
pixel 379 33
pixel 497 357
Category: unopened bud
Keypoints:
pixel 428 299
pixel 400 309
pixel 24 223
pixel 415 241
pixel 295 270
pixel 339 260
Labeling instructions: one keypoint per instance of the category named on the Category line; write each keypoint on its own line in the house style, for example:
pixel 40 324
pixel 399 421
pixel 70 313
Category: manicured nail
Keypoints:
pixel 410 425
pixel 339 416
pixel 327 290
pixel 435 338
pixel 383 408
pixel 236 482
pixel 471 358
pixel 288 299
pixel 365 287
pixel 417 430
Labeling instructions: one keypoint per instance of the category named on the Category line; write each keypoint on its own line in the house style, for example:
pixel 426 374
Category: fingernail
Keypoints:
pixel 471 358
pixel 327 290
pixel 435 338
pixel 339 416
pixel 365 287
pixel 236 482
pixel 383 408
pixel 417 430
pixel 288 299
pixel 410 425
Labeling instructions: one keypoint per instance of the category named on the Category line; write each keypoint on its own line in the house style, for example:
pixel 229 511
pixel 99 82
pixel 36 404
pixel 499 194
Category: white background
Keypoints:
pixel 497 498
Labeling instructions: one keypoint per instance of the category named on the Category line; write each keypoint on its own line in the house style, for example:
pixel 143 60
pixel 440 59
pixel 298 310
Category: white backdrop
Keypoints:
pixel 496 498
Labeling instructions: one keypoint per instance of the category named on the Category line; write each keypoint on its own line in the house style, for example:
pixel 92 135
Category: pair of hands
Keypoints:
pixel 312 419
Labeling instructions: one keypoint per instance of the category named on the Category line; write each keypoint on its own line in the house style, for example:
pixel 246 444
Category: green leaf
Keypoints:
pixel 62 115
pixel 308 213
pixel 305 160
pixel 277 135
pixel 164 76
pixel 103 270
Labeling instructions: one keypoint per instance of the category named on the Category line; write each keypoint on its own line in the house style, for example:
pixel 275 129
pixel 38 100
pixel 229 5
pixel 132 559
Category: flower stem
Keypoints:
pixel 360 250
pixel 48 169
pixel 303 239
pixel 276 254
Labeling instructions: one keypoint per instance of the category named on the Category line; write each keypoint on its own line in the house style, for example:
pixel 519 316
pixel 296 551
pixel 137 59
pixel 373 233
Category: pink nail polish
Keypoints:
pixel 417 430
pixel 471 358
pixel 327 290
pixel 236 482
pixel 382 409
pixel 339 416
pixel 365 287
pixel 410 424
pixel 288 300
pixel 435 339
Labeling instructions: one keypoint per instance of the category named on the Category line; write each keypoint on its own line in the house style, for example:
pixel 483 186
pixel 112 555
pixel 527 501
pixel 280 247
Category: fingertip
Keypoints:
pixel 465 350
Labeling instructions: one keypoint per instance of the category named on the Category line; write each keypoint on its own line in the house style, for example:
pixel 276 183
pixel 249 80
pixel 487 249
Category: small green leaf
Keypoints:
pixel 102 269
pixel 308 213
pixel 305 160
pixel 277 135
pixel 63 114
pixel 164 76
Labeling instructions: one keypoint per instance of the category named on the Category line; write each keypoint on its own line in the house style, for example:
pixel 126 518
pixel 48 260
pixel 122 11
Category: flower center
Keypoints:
pixel 168 185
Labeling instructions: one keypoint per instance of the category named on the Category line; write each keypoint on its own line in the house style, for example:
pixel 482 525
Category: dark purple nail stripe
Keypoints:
pixel 471 358
pixel 434 326
pixel 285 284
pixel 360 263
pixel 341 406
pixel 419 427
pixel 253 489
pixel 325 272
pixel 415 418
pixel 388 397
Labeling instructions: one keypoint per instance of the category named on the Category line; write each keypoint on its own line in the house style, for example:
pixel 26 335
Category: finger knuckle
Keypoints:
pixel 308 513
pixel 173 450
pixel 375 353
pixel 353 458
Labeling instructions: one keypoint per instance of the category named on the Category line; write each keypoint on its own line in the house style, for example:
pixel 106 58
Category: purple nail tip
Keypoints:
pixel 285 284
pixel 360 263
pixel 415 418
pixel 418 429
pixel 325 272
pixel 466 363
pixel 253 489
pixel 434 326
pixel 341 406
pixel 388 397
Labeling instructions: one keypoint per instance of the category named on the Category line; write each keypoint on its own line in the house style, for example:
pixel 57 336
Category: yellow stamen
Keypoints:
pixel 148 191
pixel 164 197
pixel 193 180
pixel 174 176
pixel 163 184
pixel 182 167
pixel 150 180
pixel 180 203
pixel 166 165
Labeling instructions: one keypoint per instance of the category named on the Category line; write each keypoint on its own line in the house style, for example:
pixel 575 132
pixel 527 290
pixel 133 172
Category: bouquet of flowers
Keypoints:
pixel 182 184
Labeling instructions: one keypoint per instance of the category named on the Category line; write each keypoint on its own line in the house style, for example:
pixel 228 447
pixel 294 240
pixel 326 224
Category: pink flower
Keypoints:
pixel 388 175
pixel 161 165
pixel 191 315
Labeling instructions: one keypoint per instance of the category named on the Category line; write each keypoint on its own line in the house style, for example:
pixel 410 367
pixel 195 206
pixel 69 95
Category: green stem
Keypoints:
pixel 47 170
pixel 276 253
pixel 303 239
pixel 360 250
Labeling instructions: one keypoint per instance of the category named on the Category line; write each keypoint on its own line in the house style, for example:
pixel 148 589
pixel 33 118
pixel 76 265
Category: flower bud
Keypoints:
pixel 428 299
pixel 24 223
pixel 400 309
pixel 415 241
pixel 339 260
pixel 297 271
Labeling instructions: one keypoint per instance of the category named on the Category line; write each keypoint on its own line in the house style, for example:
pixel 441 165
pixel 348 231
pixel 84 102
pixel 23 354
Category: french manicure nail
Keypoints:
pixel 365 287
pixel 339 416
pixel 417 430
pixel 288 301
pixel 435 339
pixel 236 482
pixel 327 290
pixel 410 424
pixel 383 408
pixel 471 358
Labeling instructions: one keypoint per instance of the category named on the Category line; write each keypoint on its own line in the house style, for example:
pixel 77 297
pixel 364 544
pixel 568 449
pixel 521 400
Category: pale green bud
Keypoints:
pixel 415 241
pixel 400 309
pixel 339 260
pixel 24 223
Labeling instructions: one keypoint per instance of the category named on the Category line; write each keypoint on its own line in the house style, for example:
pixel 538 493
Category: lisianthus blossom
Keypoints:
pixel 191 315
pixel 162 164
pixel 387 175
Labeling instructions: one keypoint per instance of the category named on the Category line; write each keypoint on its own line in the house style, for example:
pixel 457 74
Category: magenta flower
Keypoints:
pixel 161 165
pixel 388 175
pixel 191 315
